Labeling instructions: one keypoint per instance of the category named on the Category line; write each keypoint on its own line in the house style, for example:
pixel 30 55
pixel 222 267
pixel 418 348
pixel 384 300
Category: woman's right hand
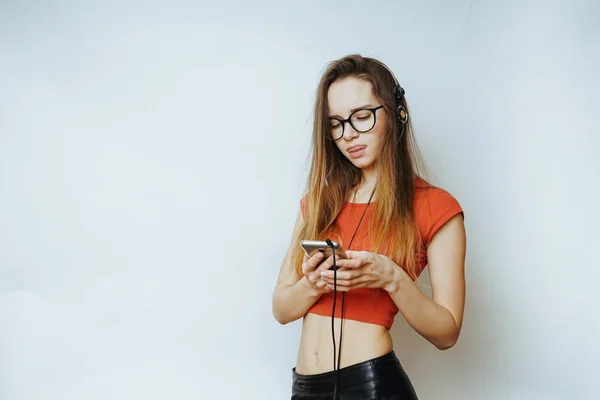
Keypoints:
pixel 312 267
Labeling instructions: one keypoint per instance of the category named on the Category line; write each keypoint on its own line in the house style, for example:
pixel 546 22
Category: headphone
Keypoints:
pixel 400 112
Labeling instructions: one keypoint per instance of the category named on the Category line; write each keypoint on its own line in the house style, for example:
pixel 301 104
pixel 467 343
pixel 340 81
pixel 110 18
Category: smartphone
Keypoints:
pixel 311 247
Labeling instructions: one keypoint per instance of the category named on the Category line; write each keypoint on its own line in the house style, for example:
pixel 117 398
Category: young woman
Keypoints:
pixel 365 192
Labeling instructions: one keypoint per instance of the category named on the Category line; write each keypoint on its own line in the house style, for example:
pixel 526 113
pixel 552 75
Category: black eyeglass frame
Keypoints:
pixel 349 120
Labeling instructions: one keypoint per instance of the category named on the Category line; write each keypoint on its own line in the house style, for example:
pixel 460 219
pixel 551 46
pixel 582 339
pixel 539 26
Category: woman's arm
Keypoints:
pixel 439 320
pixel 292 301
pixel 292 296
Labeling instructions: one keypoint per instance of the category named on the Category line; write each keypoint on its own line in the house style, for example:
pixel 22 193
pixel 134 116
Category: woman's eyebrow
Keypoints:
pixel 368 105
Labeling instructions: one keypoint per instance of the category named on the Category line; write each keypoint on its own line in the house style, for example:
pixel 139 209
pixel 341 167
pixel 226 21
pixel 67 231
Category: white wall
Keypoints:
pixel 152 157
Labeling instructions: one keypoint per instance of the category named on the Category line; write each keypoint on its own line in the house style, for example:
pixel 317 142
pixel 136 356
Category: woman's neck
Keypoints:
pixel 362 192
pixel 369 179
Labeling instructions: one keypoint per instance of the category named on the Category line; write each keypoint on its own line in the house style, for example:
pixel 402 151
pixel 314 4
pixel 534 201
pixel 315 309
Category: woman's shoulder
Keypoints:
pixel 434 206
pixel 424 187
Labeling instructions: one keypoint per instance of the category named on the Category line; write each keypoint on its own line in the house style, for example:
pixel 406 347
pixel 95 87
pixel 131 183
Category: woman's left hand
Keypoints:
pixel 363 269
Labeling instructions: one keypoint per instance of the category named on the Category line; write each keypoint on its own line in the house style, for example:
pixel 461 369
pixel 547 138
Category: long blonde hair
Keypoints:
pixel 332 177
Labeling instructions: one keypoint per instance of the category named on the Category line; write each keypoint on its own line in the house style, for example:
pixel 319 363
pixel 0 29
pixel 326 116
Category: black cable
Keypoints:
pixel 335 368
pixel 339 353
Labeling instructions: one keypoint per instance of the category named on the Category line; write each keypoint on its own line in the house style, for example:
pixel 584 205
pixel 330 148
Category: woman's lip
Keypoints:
pixel 357 152
pixel 354 149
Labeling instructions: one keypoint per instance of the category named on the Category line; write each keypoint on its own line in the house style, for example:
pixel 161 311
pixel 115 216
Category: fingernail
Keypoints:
pixel 324 273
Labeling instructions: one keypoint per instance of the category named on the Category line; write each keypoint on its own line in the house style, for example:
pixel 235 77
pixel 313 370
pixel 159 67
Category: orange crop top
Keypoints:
pixel 433 208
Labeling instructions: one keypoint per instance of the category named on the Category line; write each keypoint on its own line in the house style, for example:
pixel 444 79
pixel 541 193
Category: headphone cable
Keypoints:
pixel 336 367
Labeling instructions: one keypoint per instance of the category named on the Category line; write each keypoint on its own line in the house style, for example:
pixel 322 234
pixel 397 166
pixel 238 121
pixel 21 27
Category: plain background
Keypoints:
pixel 153 155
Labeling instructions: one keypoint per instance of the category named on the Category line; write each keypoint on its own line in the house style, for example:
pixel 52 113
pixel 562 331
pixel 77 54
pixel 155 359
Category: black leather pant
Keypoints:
pixel 381 378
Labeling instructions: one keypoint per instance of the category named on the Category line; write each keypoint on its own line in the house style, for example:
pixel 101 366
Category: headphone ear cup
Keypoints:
pixel 401 115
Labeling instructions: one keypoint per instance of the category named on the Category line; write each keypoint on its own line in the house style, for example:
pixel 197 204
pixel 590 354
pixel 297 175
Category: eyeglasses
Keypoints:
pixel 362 121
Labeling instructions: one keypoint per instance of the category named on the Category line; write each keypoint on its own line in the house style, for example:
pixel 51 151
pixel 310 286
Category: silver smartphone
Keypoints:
pixel 311 247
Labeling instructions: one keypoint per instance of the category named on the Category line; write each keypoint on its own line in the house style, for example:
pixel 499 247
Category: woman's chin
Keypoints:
pixel 361 163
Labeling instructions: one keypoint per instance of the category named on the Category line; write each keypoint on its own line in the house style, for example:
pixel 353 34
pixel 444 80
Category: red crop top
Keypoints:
pixel 433 208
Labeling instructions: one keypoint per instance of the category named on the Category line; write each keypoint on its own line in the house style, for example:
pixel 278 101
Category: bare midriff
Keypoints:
pixel 360 342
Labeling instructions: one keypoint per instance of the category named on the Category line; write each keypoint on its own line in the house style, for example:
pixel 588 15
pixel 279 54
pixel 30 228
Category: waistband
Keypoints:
pixel 365 371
